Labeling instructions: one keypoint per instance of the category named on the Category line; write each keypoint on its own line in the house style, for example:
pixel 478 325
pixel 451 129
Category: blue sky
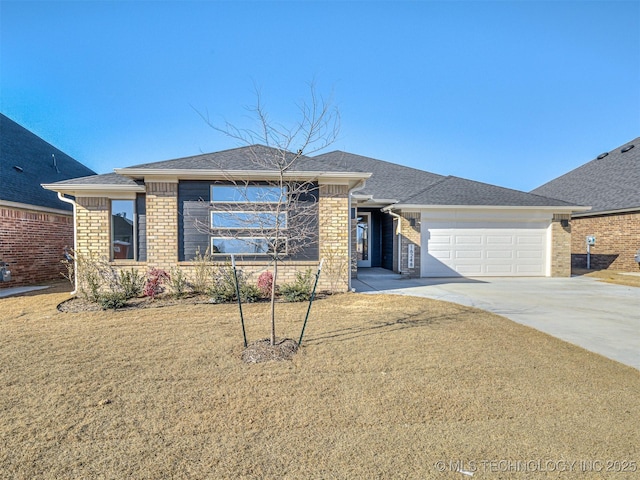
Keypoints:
pixel 509 93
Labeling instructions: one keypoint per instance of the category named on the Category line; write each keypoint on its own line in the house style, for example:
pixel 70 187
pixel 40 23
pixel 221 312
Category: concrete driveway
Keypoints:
pixel 597 316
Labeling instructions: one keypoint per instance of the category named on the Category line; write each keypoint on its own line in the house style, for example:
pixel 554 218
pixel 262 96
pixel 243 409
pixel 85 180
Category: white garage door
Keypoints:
pixel 491 249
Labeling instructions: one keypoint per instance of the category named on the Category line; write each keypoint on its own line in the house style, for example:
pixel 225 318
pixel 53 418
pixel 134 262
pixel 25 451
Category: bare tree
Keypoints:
pixel 278 217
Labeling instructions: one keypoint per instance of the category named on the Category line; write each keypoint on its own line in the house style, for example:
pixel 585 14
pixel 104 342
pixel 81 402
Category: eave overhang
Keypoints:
pixel 174 175
pixel 556 209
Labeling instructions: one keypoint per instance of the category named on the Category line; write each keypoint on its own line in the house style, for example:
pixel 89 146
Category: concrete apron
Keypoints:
pixel 597 316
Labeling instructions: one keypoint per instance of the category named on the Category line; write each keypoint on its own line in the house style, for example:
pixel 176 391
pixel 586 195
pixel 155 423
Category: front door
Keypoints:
pixel 363 239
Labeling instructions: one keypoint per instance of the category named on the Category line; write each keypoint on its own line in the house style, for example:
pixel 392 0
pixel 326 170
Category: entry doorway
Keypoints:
pixel 363 239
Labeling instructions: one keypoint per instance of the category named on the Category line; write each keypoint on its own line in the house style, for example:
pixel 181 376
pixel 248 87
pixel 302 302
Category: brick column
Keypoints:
pixel 334 226
pixel 410 235
pixel 94 227
pixel 560 246
pixel 162 224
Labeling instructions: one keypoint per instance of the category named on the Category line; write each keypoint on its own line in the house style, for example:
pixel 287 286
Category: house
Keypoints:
pixel 610 183
pixel 367 213
pixel 35 226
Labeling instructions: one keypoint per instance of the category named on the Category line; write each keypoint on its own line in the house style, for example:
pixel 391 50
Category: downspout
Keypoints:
pixel 359 186
pixel 398 233
pixel 75 241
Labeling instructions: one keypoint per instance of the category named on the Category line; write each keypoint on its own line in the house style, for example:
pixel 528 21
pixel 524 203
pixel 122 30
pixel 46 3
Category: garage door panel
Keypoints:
pixel 501 254
pixel 482 249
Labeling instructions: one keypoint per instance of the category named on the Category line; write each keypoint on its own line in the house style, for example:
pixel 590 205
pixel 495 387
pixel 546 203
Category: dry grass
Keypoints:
pixel 609 276
pixel 382 387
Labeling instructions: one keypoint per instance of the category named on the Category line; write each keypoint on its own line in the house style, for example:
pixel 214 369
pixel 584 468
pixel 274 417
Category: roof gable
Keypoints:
pixel 389 181
pixel 460 191
pixel 27 161
pixel 609 182
pixel 250 158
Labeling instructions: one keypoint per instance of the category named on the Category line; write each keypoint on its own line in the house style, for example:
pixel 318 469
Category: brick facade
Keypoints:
pixel 32 242
pixel 560 246
pixel 94 227
pixel 334 224
pixel 410 235
pixel 162 224
pixel 617 241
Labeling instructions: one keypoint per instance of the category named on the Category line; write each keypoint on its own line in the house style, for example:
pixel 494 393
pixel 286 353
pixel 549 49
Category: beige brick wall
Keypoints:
pixel 162 224
pixel 560 247
pixel 162 236
pixel 410 235
pixel 334 224
pixel 617 241
pixel 93 227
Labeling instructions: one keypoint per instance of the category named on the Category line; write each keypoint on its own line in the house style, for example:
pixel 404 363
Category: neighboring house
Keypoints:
pixel 370 213
pixel 611 185
pixel 35 226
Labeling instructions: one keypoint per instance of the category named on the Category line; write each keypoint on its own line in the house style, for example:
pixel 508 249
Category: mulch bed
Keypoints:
pixel 262 350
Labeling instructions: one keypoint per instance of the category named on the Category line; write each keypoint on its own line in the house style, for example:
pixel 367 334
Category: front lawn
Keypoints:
pixel 383 387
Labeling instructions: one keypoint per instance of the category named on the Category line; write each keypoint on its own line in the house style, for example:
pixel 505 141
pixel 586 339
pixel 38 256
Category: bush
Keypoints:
pixel 113 300
pixel 179 284
pixel 250 293
pixel 131 282
pixel 300 289
pixel 204 272
pixel 265 283
pixel 223 289
pixel 155 279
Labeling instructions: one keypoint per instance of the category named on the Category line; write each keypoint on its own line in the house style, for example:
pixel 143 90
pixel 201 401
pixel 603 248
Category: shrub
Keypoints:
pixel 155 279
pixel 131 283
pixel 300 289
pixel 204 272
pixel 223 288
pixel 250 293
pixel 179 284
pixel 265 283
pixel 112 300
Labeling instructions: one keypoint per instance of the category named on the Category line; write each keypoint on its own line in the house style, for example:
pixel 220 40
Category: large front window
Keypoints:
pixel 246 219
pixel 122 229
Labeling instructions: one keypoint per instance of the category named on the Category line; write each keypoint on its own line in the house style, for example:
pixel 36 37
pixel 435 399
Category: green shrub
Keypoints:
pixel 300 289
pixel 178 283
pixel 223 288
pixel 131 283
pixel 113 300
pixel 204 272
pixel 250 293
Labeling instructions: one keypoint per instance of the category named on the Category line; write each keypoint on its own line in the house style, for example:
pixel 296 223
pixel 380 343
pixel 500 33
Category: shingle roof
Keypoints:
pixel 608 183
pixel 389 180
pixel 417 187
pixel 253 157
pixel 103 179
pixel 459 191
pixel 35 165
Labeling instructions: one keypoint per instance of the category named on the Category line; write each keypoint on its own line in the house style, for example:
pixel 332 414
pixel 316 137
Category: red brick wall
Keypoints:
pixel 33 242
pixel 617 241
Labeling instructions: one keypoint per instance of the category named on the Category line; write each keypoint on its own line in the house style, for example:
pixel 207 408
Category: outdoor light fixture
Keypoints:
pixel 564 223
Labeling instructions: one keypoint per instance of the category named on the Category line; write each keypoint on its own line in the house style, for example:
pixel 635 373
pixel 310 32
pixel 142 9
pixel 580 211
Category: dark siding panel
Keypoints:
pixel 193 221
pixel 141 212
pixel 387 241
pixel 193 193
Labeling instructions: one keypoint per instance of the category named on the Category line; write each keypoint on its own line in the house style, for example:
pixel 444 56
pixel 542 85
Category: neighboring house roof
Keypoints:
pixel 609 183
pixel 409 186
pixel 27 161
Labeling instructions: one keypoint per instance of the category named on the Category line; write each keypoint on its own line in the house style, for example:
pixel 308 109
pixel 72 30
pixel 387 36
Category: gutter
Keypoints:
pixel 359 186
pixel 75 241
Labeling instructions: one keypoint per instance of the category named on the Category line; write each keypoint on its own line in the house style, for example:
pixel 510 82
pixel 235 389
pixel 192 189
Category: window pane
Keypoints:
pixel 122 230
pixel 245 245
pixel 246 194
pixel 259 220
